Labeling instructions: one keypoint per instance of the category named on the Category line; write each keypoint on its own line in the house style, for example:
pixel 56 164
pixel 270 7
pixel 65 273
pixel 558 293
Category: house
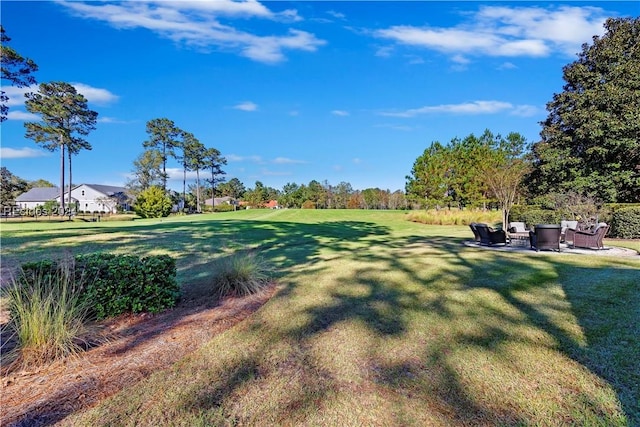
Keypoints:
pixel 84 197
pixel 272 204
pixel 98 198
pixel 37 196
pixel 219 201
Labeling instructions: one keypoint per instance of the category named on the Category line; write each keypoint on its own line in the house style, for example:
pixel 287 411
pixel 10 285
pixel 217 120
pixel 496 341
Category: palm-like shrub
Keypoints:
pixel 240 274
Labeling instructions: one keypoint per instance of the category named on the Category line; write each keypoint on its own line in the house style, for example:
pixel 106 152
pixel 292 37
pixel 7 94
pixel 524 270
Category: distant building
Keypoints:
pixel 84 197
pixel 219 201
pixel 272 204
pixel 37 197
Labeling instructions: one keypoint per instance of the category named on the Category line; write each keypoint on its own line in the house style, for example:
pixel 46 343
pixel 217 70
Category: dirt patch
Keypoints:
pixel 139 345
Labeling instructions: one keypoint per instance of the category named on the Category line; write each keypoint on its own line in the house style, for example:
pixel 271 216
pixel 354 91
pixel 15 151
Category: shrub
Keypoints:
pixel 625 223
pixel 115 284
pixel 454 216
pixel 48 314
pixel 126 283
pixel 308 205
pixel 240 274
pixel 224 208
pixel 153 203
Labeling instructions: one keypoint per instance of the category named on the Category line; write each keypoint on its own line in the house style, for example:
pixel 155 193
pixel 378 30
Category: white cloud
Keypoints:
pixel 402 128
pixel 525 110
pixel 507 31
pixel 236 158
pixel 287 161
pixel 335 14
pixel 415 59
pixel 94 94
pixel 195 23
pixel 384 51
pixel 177 174
pixel 110 120
pixel 21 153
pixel 466 108
pixel 507 66
pixel 460 59
pixel 340 113
pixel 267 172
pixel 22 116
pixel 16 94
pixel 246 106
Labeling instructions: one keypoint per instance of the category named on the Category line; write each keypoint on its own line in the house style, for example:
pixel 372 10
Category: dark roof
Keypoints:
pixel 39 194
pixel 109 190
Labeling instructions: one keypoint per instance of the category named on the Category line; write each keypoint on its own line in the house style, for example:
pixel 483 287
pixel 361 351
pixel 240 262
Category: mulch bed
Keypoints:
pixel 138 346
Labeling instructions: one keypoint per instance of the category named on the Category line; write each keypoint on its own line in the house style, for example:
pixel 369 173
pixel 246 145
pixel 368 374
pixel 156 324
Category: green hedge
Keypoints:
pixel 625 223
pixel 623 218
pixel 224 208
pixel 532 215
pixel 116 284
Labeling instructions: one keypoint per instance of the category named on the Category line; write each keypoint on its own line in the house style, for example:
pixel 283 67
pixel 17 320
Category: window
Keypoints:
pixel 83 192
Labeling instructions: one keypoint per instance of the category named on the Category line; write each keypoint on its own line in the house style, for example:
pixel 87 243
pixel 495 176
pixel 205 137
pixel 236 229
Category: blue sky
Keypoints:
pixel 349 91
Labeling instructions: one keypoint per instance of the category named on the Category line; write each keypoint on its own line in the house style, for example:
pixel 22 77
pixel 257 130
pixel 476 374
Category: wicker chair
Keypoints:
pixel 476 235
pixel 588 239
pixel 489 236
pixel 566 225
pixel 517 227
pixel 545 236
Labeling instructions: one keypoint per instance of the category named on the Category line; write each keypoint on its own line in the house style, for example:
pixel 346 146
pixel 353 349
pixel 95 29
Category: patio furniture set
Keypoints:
pixel 542 236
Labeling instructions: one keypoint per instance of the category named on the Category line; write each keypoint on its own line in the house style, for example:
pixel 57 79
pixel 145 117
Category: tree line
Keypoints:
pixel 589 146
pixel 166 140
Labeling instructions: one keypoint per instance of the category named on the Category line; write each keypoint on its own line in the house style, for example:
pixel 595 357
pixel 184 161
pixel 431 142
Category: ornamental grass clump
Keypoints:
pixel 48 317
pixel 240 274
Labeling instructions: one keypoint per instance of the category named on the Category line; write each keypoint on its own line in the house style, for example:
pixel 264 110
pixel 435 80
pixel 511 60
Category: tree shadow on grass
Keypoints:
pixel 285 244
pixel 382 304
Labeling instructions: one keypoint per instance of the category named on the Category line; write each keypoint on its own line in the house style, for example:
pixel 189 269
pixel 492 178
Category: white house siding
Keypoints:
pixel 90 199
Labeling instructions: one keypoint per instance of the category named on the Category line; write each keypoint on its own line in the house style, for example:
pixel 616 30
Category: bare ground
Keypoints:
pixel 138 346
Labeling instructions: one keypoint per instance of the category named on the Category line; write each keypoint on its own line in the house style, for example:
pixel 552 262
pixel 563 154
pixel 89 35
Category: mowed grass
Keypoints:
pixel 380 321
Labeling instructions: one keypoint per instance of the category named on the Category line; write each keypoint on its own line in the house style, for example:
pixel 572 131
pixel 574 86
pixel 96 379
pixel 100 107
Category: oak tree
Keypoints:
pixel 590 141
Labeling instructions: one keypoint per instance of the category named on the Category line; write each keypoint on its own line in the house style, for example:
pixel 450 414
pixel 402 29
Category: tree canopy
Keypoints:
pixel 590 141
pixel 458 173
pixel 65 121
pixel 16 69
pixel 163 135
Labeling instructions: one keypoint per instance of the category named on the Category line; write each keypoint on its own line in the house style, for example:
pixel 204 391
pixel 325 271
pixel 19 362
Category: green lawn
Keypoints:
pixel 379 321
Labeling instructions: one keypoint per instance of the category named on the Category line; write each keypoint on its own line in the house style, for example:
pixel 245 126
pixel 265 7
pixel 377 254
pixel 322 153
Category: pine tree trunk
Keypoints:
pixel 61 177
pixel 70 183
pixel 198 189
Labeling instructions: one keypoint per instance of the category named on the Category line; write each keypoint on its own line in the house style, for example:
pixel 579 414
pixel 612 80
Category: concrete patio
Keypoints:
pixel 564 250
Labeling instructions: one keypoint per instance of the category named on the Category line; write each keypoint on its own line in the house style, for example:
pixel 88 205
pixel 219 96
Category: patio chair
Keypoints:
pixel 517 227
pixel 588 239
pixel 476 235
pixel 489 236
pixel 566 225
pixel 545 236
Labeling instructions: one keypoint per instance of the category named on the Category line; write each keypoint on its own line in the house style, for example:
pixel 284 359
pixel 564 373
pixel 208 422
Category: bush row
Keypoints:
pixel 115 284
pixel 625 223
pixel 623 219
